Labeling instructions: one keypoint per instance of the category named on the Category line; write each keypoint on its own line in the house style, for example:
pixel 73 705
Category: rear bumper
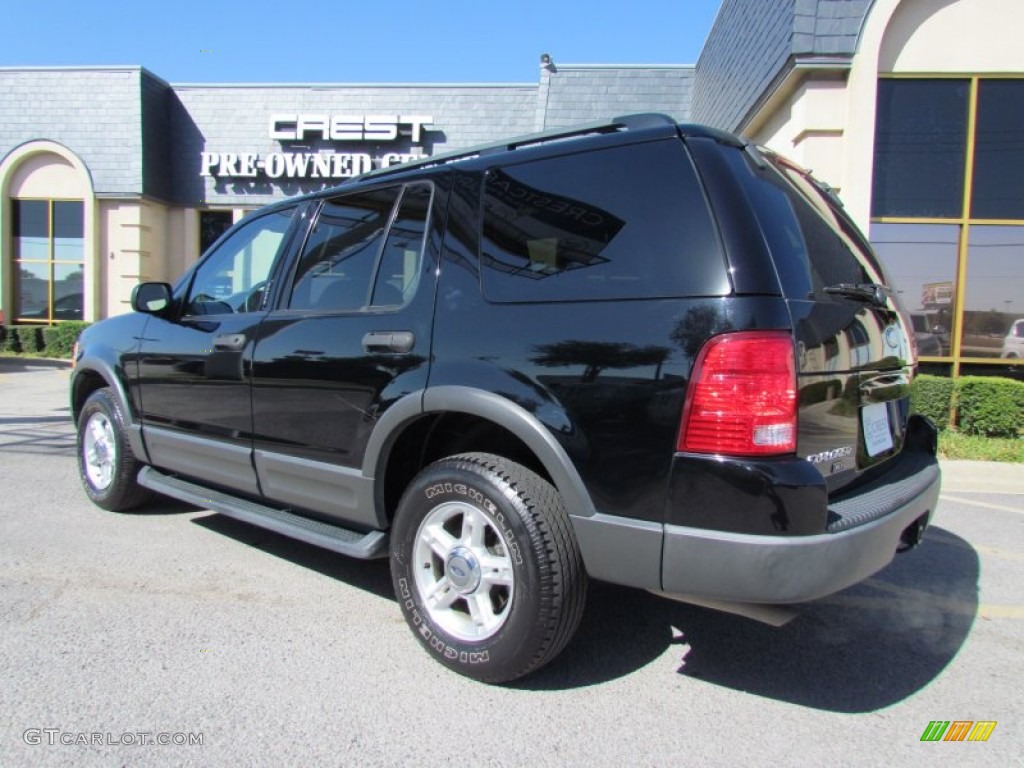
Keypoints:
pixel 776 569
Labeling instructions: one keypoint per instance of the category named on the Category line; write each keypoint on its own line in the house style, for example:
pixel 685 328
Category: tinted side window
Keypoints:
pixel 625 222
pixel 399 269
pixel 335 270
pixel 233 278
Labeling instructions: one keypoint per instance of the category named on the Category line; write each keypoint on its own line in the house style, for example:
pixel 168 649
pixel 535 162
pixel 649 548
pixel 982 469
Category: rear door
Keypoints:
pixel 854 346
pixel 351 336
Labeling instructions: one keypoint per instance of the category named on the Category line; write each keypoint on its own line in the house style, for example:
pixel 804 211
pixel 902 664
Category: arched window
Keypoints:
pixel 48 260
pixel 47 241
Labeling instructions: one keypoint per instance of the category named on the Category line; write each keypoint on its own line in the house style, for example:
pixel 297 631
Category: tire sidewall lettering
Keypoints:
pixel 449 489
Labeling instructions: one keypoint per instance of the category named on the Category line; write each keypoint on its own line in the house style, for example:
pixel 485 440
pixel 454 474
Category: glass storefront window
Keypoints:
pixel 994 291
pixel 957 258
pixel 212 224
pixel 49 260
pixel 68 231
pixel 921 258
pixel 31 229
pixel 920 144
pixel 999 151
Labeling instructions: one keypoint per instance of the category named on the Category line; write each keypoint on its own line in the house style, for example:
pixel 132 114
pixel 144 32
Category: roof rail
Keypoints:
pixel 629 122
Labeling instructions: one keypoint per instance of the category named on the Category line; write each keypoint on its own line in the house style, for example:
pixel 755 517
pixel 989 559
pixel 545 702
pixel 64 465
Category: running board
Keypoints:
pixel 365 546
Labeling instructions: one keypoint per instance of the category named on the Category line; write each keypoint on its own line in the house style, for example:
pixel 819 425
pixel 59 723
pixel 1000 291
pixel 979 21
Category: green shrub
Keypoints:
pixel 932 396
pixel 10 341
pixel 30 338
pixel 955 445
pixel 990 405
pixel 61 338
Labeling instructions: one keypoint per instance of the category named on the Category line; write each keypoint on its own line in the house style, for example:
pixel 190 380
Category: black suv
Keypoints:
pixel 640 352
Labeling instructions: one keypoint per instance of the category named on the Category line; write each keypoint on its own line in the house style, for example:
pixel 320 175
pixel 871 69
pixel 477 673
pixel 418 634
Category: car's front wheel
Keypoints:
pixel 486 567
pixel 106 464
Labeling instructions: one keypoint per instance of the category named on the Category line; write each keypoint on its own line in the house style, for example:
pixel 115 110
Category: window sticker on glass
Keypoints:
pixel 877 435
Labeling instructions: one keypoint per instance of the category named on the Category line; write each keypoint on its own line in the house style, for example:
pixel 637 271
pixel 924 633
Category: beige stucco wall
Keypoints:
pixel 133 241
pixel 808 127
pixel 972 36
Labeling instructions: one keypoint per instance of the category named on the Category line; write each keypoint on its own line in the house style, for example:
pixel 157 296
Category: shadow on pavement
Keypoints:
pixel 51 435
pixel 373 576
pixel 865 648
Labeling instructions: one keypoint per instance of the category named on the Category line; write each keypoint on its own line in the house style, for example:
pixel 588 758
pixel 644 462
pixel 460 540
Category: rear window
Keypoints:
pixel 813 242
pixel 618 223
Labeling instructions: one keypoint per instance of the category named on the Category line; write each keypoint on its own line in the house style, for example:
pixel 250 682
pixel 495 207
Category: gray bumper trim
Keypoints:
pixel 620 550
pixel 775 569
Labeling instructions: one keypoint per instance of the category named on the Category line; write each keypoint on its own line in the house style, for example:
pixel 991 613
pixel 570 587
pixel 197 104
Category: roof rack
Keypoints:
pixel 629 122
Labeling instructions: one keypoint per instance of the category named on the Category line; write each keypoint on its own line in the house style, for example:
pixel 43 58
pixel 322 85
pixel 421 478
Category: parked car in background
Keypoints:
pixel 1013 344
pixel 929 343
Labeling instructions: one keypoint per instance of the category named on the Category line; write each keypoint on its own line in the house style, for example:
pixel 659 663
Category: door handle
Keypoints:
pixel 389 341
pixel 230 341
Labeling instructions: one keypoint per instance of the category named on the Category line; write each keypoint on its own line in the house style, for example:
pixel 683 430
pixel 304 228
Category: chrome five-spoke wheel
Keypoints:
pixel 99 451
pixel 463 571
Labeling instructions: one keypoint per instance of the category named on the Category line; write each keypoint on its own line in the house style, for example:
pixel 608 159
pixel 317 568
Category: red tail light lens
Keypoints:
pixel 742 396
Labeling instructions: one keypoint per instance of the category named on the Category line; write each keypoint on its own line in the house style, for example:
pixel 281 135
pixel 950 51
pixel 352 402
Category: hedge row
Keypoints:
pixel 52 341
pixel 990 406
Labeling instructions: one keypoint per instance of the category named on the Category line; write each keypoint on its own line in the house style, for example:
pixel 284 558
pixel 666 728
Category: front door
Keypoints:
pixel 194 363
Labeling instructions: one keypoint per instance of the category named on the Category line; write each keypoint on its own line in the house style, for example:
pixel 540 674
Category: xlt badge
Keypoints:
pixel 835 453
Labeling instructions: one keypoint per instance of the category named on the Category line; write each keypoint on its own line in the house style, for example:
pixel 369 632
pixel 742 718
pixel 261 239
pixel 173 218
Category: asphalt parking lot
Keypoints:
pixel 119 630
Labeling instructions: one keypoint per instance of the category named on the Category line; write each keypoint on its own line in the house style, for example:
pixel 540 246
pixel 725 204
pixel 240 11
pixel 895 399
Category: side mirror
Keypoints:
pixel 152 298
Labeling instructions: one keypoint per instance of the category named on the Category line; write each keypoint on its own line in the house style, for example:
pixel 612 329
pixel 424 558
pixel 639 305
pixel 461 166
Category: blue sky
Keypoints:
pixel 346 41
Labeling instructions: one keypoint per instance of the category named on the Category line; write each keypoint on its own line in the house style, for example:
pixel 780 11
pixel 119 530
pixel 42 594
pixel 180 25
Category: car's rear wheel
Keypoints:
pixel 106 464
pixel 486 567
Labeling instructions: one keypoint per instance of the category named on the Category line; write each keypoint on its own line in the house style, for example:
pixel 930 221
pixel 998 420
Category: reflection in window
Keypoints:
pixel 233 277
pixel 336 266
pixel 994 293
pixel 627 222
pixel 860 344
pixel 920 141
pixel 921 258
pixel 49 260
pixel 998 191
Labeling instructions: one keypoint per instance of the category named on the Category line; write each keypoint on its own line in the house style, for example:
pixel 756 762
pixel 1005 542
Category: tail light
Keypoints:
pixel 742 396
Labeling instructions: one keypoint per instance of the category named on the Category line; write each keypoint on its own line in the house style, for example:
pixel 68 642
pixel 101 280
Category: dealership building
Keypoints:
pixel 912 109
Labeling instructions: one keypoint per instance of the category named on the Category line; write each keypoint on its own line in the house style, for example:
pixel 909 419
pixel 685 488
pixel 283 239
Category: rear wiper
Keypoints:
pixel 872 293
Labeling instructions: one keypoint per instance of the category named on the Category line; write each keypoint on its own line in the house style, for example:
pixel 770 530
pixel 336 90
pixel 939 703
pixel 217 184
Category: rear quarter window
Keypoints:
pixel 619 223
pixel 813 242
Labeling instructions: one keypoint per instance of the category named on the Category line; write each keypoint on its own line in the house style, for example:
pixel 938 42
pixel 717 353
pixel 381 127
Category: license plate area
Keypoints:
pixel 877 429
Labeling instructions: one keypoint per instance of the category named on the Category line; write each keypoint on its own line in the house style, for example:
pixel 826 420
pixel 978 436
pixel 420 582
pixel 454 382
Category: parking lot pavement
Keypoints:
pixel 119 628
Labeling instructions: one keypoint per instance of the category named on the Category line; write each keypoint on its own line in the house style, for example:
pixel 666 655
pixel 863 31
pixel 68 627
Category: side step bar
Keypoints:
pixel 365 546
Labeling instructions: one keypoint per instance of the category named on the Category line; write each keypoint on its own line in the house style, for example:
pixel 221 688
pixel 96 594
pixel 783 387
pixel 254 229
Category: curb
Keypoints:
pixel 8 362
